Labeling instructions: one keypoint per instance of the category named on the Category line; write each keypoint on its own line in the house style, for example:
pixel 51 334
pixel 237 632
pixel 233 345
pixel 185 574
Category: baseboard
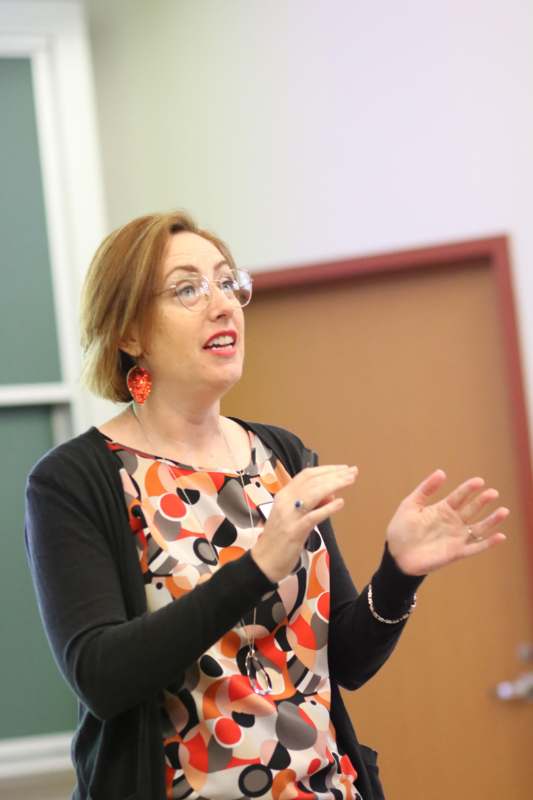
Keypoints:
pixel 36 767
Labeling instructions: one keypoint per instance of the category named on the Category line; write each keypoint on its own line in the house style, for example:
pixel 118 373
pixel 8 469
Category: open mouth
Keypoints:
pixel 223 342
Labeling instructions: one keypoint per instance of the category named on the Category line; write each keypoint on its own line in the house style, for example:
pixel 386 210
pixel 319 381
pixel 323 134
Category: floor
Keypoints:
pixel 38 787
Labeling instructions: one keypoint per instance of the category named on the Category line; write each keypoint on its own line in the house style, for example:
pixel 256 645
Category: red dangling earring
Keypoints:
pixel 139 383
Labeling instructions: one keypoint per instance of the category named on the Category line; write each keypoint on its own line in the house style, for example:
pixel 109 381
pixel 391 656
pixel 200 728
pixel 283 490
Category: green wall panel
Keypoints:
pixel 28 340
pixel 33 697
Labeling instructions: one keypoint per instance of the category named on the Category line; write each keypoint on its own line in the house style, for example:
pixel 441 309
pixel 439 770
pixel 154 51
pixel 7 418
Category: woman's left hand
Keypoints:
pixel 423 537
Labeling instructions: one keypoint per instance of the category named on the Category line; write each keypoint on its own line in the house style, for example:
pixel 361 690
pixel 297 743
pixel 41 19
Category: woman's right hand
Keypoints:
pixel 288 526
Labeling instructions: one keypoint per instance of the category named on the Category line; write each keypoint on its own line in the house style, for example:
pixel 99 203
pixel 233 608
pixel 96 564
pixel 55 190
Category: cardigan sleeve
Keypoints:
pixel 359 644
pixel 111 660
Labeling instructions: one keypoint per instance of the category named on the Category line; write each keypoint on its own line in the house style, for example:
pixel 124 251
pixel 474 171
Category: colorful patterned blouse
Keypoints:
pixel 223 741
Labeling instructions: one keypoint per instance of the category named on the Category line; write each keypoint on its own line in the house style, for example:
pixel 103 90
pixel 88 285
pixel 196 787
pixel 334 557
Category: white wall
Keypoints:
pixel 307 129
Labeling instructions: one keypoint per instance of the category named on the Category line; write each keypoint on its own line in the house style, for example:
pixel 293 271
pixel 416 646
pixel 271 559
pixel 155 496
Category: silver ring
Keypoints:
pixel 472 536
pixel 299 505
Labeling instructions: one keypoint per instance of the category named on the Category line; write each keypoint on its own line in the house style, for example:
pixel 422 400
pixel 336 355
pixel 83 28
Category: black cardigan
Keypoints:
pixel 117 657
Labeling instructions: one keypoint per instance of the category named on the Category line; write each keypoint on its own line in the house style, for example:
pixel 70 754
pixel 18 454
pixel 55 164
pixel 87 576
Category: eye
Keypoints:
pixel 186 290
pixel 228 283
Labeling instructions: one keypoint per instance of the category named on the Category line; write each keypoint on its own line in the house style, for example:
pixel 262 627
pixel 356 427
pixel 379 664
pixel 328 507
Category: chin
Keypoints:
pixel 226 381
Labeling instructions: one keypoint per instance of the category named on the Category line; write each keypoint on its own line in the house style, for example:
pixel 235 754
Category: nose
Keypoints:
pixel 220 305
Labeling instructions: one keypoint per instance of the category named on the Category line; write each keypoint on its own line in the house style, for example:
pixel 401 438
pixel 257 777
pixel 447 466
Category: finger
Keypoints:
pixel 472 548
pixel 327 499
pixel 308 472
pixel 315 493
pixel 318 482
pixel 428 487
pixel 318 476
pixel 486 526
pixel 318 515
pixel 472 508
pixel 464 492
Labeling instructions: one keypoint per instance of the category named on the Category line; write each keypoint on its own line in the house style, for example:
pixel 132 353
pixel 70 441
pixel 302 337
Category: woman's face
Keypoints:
pixel 181 357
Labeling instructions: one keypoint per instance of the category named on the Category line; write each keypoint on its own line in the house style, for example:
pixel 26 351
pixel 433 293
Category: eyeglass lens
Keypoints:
pixel 236 285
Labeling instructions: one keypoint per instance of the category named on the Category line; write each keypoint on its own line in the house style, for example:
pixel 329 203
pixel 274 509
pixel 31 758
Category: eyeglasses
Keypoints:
pixel 194 292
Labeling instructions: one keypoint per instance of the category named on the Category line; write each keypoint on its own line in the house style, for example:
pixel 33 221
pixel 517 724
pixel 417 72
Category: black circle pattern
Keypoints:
pixel 281 758
pixel 314 542
pixel 225 534
pixel 244 720
pixel 189 496
pixel 211 667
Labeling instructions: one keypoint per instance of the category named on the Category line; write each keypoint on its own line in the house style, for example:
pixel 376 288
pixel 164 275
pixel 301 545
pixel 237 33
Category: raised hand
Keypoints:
pixel 307 500
pixel 423 537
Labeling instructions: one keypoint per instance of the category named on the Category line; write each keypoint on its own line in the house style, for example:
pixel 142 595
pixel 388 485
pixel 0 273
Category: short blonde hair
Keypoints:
pixel 118 293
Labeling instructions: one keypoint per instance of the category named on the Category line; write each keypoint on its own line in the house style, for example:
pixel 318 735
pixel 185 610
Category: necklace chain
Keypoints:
pixel 257 674
pixel 261 685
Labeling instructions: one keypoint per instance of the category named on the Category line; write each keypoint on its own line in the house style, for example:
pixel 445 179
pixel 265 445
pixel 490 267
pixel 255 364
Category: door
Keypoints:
pixel 402 371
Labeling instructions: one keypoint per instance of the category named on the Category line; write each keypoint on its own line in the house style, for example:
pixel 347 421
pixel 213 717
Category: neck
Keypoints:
pixel 192 426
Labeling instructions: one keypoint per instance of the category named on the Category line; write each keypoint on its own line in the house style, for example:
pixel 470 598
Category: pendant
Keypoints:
pixel 257 674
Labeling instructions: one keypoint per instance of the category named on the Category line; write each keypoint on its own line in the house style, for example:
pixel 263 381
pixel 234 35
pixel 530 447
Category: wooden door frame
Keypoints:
pixel 495 252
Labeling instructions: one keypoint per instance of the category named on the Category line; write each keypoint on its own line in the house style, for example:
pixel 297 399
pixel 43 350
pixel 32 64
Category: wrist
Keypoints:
pixel 402 560
pixel 385 620
pixel 393 589
pixel 263 563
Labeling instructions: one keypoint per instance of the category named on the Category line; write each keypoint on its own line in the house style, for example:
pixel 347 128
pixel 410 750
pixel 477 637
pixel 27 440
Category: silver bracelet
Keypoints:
pixel 382 619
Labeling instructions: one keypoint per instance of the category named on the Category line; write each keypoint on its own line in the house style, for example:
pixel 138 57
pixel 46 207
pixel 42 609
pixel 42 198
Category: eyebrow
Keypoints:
pixel 192 268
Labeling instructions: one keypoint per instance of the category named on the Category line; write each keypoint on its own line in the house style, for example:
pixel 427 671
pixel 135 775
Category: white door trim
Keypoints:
pixel 53 36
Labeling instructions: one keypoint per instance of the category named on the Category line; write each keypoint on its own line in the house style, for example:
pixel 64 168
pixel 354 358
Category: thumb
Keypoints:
pixel 425 490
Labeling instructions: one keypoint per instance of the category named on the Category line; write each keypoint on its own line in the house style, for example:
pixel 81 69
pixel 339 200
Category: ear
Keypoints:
pixel 131 345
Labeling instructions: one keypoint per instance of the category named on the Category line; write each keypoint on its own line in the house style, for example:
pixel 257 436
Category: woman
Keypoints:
pixel 183 560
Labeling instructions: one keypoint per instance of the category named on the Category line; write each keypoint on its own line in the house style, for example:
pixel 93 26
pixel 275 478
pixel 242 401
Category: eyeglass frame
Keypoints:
pixel 205 288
